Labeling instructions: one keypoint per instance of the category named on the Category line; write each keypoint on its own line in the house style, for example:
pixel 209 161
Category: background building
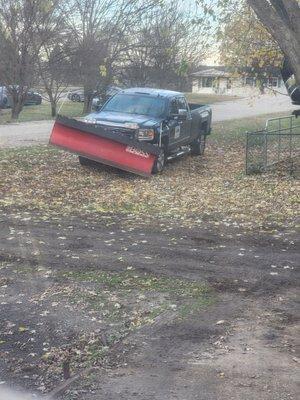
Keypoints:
pixel 227 81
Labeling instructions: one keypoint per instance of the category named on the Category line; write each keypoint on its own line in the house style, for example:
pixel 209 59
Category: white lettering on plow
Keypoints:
pixel 137 152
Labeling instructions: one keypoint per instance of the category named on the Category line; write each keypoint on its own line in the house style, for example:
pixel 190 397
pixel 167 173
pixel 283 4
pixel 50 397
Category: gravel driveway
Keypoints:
pixel 37 132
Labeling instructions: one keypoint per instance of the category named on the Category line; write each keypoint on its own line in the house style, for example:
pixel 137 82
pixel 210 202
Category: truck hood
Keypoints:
pixel 105 117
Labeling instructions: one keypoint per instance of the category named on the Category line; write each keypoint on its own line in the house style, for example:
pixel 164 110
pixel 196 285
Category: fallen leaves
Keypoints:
pixel 192 190
pixel 23 329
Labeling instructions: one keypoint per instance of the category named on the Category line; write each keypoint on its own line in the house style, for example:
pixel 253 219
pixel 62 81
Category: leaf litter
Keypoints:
pixel 192 189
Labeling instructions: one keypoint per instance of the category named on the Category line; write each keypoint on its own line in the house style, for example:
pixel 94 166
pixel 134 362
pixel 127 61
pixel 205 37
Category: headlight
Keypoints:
pixel 145 134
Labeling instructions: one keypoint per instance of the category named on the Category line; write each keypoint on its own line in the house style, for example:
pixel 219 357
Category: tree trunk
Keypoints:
pixel 88 98
pixel 53 108
pixel 16 109
pixel 292 53
pixel 53 103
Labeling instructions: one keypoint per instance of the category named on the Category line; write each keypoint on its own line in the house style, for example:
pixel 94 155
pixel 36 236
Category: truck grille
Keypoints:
pixel 130 133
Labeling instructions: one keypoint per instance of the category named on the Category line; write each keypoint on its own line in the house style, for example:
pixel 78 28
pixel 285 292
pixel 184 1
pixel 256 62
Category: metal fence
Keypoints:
pixel 277 145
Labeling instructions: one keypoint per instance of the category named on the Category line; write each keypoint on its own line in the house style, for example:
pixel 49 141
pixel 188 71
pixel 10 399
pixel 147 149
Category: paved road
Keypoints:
pixel 33 133
pixel 25 134
pixel 251 107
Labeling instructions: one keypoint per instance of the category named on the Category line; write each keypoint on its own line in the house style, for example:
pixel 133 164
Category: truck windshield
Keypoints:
pixel 136 104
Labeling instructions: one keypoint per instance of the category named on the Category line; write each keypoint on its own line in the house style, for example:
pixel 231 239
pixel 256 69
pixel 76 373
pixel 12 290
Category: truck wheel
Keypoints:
pixel 160 162
pixel 198 145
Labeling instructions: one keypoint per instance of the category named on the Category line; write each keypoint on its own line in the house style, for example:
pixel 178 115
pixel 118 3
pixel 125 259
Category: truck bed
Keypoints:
pixel 194 106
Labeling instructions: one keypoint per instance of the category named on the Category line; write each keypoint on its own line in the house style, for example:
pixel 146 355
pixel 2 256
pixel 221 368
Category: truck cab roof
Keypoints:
pixel 152 92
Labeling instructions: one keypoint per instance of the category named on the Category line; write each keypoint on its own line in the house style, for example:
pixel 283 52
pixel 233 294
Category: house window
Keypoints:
pixel 207 82
pixel 249 81
pixel 273 82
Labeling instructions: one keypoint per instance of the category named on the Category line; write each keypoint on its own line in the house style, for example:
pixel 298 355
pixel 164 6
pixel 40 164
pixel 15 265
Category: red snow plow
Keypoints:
pixel 137 130
pixel 101 145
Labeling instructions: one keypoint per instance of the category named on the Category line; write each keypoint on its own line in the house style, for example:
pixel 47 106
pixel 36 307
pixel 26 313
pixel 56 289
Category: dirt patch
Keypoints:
pixel 203 318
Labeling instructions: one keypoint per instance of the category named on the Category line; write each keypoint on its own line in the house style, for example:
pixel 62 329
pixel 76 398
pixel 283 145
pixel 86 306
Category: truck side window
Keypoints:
pixel 174 107
pixel 182 103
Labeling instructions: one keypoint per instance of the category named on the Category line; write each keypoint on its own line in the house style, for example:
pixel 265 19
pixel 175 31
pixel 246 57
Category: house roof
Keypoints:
pixel 226 72
pixel 212 72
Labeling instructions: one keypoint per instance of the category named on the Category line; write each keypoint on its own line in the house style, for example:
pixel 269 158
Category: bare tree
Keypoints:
pixel 54 65
pixel 21 37
pixel 101 31
pixel 55 70
pixel 168 43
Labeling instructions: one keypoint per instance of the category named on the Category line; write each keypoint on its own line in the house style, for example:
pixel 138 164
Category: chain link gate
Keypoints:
pixel 278 144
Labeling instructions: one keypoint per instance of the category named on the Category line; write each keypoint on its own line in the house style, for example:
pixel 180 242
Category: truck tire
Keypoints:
pixel 160 162
pixel 198 145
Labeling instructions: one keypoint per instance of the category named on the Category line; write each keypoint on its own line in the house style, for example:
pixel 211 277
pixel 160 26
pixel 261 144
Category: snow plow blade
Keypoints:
pixel 97 143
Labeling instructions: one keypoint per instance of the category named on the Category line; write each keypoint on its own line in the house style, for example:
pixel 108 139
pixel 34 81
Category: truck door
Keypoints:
pixel 173 124
pixel 185 124
pixel 179 128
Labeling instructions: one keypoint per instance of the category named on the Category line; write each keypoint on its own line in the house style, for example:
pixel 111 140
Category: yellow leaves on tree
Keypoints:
pixel 103 70
pixel 246 43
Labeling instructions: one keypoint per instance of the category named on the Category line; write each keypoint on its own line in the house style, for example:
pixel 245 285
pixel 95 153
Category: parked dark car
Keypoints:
pixel 32 98
pixel 77 96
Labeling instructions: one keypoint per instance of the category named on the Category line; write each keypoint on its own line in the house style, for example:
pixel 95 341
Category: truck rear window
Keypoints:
pixel 136 104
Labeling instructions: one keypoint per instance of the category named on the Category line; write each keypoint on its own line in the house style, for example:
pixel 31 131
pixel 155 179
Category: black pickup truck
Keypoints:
pixel 159 117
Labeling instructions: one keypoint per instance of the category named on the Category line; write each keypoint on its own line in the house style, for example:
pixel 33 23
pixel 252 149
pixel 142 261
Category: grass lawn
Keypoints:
pixel 42 112
pixel 70 109
pixel 208 98
pixel 234 130
pixel 191 189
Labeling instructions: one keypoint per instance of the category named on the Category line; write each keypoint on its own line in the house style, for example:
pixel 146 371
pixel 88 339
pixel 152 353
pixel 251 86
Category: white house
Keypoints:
pixel 225 81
